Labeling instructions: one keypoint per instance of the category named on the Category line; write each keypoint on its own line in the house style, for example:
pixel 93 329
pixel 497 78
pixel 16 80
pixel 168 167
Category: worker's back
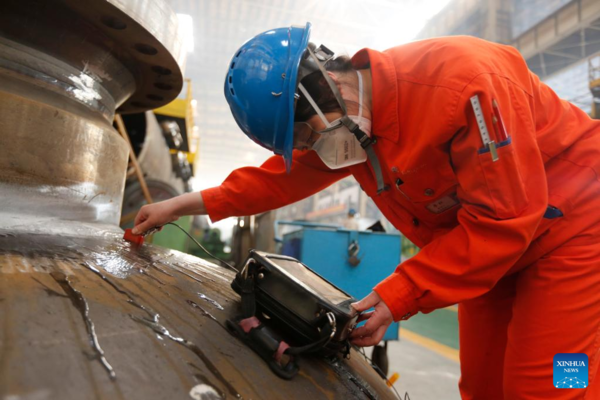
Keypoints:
pixel 426 129
pixel 567 138
pixel 453 62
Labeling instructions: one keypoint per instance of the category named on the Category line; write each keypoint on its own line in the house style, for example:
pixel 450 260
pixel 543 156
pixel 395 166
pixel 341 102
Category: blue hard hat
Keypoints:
pixel 260 86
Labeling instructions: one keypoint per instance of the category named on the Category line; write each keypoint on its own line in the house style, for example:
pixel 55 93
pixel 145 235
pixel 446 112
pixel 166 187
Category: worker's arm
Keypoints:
pixel 158 214
pixel 246 191
pixel 502 204
pixel 251 190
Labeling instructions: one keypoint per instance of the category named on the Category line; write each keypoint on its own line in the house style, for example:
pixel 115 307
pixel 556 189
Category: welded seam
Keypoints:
pixel 82 305
pixel 161 330
pixel 130 300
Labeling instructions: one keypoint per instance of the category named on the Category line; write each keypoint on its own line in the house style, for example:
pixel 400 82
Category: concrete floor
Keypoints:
pixel 424 374
pixel 426 357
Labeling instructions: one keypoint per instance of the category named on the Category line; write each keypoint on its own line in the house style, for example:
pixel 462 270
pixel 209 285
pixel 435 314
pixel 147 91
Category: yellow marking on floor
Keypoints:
pixel 436 347
pixel 452 308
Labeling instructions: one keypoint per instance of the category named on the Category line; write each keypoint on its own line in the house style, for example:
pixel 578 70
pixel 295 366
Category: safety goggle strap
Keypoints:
pixel 360 93
pixel 381 187
pixel 330 82
pixel 314 105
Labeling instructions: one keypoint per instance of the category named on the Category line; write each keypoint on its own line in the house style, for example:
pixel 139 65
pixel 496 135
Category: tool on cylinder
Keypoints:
pixel 289 310
pixel 139 239
pixel 130 237
pixel 306 313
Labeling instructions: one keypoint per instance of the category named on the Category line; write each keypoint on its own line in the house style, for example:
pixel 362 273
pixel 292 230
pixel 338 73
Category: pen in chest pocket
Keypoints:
pixel 483 130
pixel 498 122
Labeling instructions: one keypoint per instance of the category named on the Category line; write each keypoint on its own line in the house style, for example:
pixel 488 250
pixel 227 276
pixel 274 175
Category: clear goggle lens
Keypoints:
pixel 305 135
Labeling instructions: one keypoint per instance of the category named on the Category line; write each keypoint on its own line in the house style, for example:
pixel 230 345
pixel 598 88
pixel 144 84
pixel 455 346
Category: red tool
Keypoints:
pixel 130 237
pixel 497 120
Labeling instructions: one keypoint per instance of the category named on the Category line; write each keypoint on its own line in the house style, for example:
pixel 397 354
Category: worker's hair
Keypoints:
pixel 319 89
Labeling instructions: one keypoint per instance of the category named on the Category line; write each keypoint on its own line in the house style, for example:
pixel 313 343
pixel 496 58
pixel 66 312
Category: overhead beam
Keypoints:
pixel 561 54
pixel 576 15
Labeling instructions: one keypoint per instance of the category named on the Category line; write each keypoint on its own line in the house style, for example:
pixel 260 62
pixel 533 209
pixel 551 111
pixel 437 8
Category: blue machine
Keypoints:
pixel 356 261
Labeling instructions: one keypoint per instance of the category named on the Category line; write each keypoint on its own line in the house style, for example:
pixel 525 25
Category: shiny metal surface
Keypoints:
pixel 65 66
pixel 55 162
pixel 158 320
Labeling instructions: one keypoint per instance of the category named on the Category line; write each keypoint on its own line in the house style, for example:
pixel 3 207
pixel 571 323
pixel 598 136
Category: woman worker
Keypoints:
pixel 470 156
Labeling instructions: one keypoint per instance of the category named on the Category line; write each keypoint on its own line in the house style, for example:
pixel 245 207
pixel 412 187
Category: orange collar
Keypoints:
pixel 384 92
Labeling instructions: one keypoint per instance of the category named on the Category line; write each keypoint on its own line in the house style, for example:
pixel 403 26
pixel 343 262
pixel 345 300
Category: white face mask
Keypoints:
pixel 339 148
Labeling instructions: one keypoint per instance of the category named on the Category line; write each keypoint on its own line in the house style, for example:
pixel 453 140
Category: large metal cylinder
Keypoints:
pixel 84 314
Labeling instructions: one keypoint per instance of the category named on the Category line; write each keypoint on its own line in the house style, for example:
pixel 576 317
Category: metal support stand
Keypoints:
pixel 133 158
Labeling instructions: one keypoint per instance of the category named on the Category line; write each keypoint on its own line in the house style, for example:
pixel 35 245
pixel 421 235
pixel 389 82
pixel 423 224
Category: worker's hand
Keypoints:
pixel 378 321
pixel 155 215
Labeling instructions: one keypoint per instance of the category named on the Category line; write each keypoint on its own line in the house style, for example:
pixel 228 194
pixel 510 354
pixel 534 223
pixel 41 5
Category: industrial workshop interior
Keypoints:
pixel 320 199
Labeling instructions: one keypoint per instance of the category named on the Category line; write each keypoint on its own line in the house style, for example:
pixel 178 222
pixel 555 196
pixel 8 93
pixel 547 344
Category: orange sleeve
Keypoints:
pixel 502 205
pixel 252 190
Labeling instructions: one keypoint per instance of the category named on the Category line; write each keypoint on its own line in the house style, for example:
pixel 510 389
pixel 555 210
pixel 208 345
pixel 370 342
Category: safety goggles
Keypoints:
pixel 305 136
pixel 318 57
pixel 312 58
pixel 304 133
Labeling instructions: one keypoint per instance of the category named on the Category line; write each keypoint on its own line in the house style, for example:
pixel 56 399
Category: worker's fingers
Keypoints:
pixel 371 340
pixel 143 227
pixel 381 316
pixel 372 324
pixel 366 303
pixel 141 216
pixel 366 329
pixel 154 215
pixel 364 316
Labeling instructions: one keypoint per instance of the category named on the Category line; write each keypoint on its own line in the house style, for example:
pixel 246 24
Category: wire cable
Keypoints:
pixel 361 350
pixel 202 247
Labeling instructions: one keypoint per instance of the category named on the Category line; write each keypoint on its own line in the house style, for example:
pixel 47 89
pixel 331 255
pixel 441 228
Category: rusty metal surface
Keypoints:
pixel 93 316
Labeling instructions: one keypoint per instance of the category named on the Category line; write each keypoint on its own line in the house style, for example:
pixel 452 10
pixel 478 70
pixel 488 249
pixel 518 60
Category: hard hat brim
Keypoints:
pixel 288 145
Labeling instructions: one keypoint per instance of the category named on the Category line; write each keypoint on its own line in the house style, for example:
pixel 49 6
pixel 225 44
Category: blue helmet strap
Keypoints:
pixel 365 141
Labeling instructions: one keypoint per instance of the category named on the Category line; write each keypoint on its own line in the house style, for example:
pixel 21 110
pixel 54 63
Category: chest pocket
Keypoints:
pixel 504 181
pixel 430 187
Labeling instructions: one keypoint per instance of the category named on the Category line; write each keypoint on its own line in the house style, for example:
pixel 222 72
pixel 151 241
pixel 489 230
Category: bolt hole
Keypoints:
pixel 145 49
pixel 232 65
pixel 230 79
pixel 161 70
pixel 155 97
pixel 238 54
pixel 232 92
pixel 113 23
pixel 163 86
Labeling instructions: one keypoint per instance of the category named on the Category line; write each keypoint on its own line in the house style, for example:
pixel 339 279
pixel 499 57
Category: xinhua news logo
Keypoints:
pixel 570 371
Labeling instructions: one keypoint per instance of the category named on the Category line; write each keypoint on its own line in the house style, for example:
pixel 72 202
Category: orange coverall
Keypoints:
pixel 528 287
